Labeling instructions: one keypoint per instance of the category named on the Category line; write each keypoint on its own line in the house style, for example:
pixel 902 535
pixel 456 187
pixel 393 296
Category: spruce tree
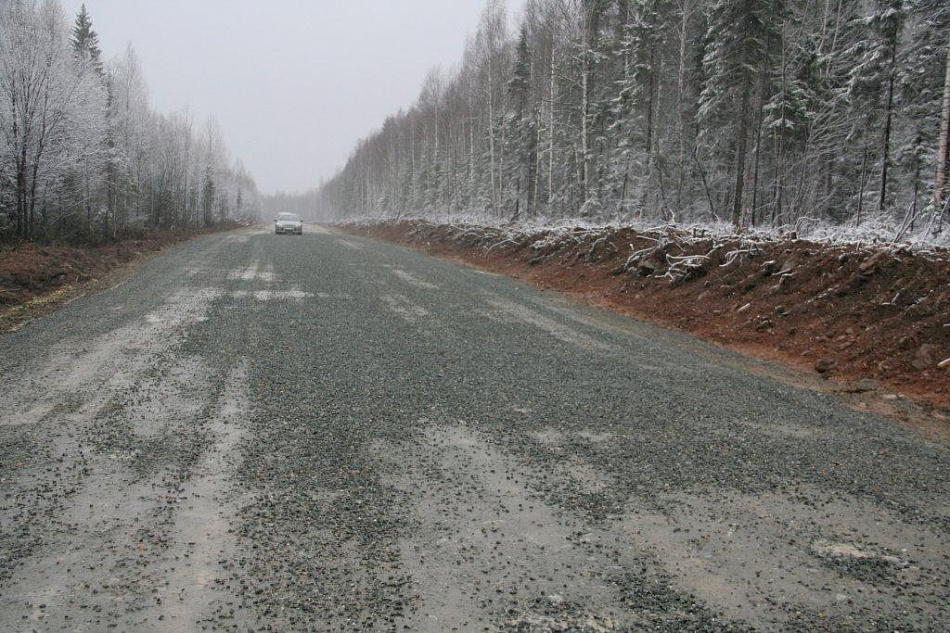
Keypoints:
pixel 86 41
pixel 742 36
pixel 522 126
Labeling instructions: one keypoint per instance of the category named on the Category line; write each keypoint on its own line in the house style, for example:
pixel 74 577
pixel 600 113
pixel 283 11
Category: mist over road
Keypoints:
pixel 327 432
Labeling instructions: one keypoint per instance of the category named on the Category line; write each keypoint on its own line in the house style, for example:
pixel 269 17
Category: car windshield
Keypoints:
pixel 287 216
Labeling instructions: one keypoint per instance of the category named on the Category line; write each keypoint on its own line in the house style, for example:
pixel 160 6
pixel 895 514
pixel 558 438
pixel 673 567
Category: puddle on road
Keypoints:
pixel 556 438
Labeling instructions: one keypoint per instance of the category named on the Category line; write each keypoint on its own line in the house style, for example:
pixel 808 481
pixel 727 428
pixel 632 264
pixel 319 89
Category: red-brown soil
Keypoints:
pixel 854 313
pixel 30 270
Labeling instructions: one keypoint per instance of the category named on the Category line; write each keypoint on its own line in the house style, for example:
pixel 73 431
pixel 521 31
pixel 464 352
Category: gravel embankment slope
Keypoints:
pixel 327 432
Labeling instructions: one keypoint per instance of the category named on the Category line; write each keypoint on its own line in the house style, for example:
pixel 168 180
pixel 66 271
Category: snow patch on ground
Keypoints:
pixel 873 231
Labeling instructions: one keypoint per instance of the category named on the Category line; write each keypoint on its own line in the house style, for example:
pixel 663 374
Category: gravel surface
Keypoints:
pixel 330 433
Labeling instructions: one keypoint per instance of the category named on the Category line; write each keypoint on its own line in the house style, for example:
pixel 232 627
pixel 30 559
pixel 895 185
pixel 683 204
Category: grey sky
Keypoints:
pixel 293 83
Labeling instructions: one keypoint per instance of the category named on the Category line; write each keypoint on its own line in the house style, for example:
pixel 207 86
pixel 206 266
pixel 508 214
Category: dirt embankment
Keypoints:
pixel 852 313
pixel 34 273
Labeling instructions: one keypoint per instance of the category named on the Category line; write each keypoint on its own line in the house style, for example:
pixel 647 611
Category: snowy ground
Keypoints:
pixel 874 232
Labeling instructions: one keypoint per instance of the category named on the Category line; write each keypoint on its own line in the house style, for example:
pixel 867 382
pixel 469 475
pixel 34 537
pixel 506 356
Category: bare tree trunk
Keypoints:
pixel 412 163
pixel 800 194
pixel 501 172
pixel 824 26
pixel 889 113
pixel 864 166
pixel 779 184
pixel 755 171
pixel 471 163
pixel 913 210
pixel 709 196
pixel 741 150
pixel 944 143
pixel 537 165
pixel 681 87
pixel 591 23
pixel 585 151
pixel 551 130
pixel 21 206
pixel 491 138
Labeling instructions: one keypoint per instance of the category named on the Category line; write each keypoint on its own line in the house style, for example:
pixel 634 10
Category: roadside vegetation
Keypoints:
pixel 84 159
pixel 784 116
pixel 39 275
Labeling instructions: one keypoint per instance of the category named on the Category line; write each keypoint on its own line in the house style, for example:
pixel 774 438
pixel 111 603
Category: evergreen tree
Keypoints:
pixel 742 37
pixel 523 128
pixel 86 41
pixel 208 192
pixel 872 83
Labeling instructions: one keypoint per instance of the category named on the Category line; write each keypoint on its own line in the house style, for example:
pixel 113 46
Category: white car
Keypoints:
pixel 288 223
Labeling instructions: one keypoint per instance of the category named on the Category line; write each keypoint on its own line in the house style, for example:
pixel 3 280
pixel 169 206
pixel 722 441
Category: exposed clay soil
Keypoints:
pixel 33 271
pixel 853 313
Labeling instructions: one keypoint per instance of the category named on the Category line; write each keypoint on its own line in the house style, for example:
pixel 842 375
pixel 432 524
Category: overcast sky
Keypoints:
pixel 293 83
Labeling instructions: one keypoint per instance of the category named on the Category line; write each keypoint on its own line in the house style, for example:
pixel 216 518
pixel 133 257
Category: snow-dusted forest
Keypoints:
pixel 83 156
pixel 751 112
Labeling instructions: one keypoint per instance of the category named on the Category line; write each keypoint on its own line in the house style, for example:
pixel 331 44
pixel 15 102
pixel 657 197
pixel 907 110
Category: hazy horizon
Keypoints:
pixel 295 91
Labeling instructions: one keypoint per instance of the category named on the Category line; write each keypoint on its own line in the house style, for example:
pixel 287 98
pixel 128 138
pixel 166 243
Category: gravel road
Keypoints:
pixel 260 432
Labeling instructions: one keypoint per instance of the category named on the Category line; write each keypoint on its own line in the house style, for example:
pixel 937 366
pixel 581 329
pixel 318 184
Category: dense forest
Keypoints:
pixel 83 157
pixel 755 112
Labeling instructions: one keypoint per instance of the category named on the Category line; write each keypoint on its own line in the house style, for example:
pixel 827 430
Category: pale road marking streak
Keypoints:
pixel 412 280
pixel 353 246
pixel 202 529
pixel 742 553
pixel 107 364
pixel 252 273
pixel 30 416
pixel 267 276
pixel 402 306
pixel 342 295
pixel 245 275
pixel 294 294
pixel 316 228
pixel 557 330
pixel 103 515
pixel 502 528
pixel 745 553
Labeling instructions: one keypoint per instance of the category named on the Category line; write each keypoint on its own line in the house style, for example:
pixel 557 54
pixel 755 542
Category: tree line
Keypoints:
pixel 83 156
pixel 754 112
